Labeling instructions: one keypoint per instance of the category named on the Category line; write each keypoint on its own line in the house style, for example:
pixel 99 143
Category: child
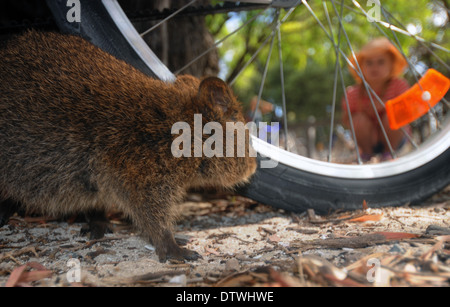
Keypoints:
pixel 381 64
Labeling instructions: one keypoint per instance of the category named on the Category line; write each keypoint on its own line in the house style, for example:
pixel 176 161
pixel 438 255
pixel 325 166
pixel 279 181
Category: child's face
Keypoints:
pixel 377 68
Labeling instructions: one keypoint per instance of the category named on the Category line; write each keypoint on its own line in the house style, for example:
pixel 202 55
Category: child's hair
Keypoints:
pixel 377 46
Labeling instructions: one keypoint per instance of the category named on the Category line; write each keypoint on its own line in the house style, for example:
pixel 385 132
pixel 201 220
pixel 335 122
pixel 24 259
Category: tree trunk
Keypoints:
pixel 179 40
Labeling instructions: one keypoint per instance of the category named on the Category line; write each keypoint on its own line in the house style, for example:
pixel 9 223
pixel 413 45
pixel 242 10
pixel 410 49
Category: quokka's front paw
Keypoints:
pixel 171 251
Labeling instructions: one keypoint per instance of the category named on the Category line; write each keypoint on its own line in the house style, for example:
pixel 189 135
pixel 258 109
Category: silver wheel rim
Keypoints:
pixel 433 148
pixel 135 40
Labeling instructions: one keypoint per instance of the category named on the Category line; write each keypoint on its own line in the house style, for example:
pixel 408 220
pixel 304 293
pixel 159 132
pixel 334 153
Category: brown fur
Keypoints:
pixel 81 130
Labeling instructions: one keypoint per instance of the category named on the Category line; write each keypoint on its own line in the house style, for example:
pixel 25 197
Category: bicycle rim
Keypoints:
pixel 433 147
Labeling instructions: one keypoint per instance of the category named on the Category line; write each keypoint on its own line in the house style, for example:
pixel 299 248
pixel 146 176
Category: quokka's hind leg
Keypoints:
pixel 7 208
pixel 97 224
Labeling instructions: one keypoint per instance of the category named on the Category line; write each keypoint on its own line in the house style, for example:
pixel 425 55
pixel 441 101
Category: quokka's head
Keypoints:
pixel 226 157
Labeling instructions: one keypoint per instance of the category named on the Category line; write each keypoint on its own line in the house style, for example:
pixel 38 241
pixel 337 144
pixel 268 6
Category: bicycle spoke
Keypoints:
pixel 405 32
pixel 253 57
pixel 366 86
pixel 397 43
pixel 378 99
pixel 347 104
pixel 446 103
pixel 291 10
pixel 266 67
pixel 283 93
pixel 372 95
pixel 255 54
pixel 264 43
pixel 345 56
pixel 342 78
pixel 220 41
pixel 350 118
pixel 337 67
pixel 167 18
pixel 415 73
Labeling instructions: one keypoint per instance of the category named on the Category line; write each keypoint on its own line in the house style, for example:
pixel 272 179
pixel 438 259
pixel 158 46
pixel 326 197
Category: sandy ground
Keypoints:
pixel 242 243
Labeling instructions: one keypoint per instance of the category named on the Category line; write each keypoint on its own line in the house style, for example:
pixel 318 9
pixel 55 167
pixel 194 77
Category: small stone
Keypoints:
pixel 232 265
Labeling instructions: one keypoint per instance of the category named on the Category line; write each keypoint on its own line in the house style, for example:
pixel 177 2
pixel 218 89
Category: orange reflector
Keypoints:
pixel 417 101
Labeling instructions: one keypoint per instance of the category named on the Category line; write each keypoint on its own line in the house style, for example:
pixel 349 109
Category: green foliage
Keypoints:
pixel 309 55
pixel 309 91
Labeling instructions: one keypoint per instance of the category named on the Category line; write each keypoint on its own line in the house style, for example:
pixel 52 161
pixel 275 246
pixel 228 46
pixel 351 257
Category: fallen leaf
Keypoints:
pixel 367 218
pixel 35 275
pixel 274 238
pixel 20 277
pixel 365 207
pixel 344 217
pixel 14 278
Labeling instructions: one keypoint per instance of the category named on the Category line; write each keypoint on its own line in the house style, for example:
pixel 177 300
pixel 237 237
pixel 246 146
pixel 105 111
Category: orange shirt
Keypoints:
pixel 359 101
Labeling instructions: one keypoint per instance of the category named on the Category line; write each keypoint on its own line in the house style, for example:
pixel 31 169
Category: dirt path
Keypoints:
pixel 243 244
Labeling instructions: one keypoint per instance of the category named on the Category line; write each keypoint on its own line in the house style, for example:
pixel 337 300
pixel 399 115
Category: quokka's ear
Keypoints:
pixel 216 92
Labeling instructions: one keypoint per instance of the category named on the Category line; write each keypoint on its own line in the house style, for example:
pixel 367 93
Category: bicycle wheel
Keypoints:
pixel 300 182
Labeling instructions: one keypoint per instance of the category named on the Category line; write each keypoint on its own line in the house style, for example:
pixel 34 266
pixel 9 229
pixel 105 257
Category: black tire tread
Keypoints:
pixel 295 190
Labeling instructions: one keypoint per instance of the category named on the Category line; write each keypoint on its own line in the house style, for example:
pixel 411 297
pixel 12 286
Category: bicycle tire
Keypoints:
pixel 287 188
pixel 284 186
pixel 98 27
